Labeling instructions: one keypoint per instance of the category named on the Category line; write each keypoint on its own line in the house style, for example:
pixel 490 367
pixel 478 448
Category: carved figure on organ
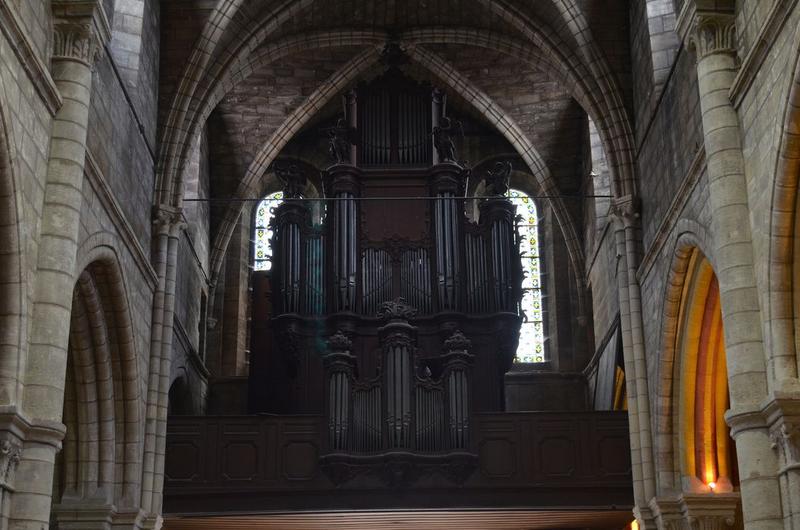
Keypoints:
pixel 497 179
pixel 293 180
pixel 340 138
pixel 443 139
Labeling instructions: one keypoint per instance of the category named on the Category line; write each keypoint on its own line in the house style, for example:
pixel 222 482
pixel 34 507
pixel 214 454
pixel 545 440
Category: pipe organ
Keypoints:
pixel 397 317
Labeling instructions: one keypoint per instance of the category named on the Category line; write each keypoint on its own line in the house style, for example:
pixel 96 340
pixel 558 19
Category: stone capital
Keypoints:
pixel 168 220
pixel 782 414
pixel 708 27
pixel 625 211
pixel 80 29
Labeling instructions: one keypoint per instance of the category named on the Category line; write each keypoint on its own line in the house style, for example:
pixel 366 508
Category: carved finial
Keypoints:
pixel 457 342
pixel 397 309
pixel 338 342
pixel 497 179
pixel 292 178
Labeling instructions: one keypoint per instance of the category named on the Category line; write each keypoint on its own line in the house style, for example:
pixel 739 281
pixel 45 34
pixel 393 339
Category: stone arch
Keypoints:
pixel 12 284
pixel 101 459
pixel 690 238
pixel 448 75
pixel 193 94
pixel 781 337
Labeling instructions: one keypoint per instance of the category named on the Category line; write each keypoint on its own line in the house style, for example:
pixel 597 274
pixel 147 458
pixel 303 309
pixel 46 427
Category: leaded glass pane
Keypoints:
pixel 262 253
pixel 531 335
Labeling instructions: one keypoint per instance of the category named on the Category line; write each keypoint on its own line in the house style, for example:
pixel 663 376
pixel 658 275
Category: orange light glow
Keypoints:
pixel 712 486
pixel 634 525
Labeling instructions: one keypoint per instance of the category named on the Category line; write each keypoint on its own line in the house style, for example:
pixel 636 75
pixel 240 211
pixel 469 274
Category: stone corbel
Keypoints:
pixel 81 30
pixel 708 26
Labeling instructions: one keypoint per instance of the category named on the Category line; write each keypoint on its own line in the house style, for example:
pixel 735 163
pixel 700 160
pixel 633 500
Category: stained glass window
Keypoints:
pixel 263 233
pixel 531 335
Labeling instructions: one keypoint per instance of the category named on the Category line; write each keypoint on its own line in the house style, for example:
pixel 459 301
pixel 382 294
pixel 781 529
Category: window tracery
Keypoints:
pixel 262 232
pixel 531 347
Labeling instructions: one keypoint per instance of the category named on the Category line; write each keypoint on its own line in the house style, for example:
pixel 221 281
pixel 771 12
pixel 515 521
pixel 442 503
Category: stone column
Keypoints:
pixel 708 27
pixel 169 223
pixel 627 216
pixel 640 496
pixel 80 32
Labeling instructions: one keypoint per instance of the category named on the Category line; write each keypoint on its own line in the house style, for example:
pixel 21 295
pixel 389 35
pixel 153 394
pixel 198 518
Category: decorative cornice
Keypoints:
pixel 708 27
pixel 756 57
pixel 120 222
pixel 746 420
pixel 673 213
pixel 80 30
pixel 35 68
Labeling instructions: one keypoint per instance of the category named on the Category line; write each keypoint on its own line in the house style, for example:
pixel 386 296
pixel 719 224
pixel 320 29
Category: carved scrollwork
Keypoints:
pixel 397 309
pixel 457 342
pixel 339 342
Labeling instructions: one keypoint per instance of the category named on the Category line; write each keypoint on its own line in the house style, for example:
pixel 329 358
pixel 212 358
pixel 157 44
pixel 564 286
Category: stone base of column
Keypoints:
pixel 152 522
pixel 129 520
pixel 709 511
pixel 80 516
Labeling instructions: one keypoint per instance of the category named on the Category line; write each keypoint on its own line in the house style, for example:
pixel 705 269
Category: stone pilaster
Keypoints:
pixel 707 27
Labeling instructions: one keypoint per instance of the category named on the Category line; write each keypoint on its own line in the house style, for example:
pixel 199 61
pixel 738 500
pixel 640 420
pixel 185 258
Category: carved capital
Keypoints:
pixel 782 413
pixel 708 27
pixel 716 511
pixel 625 211
pixel 80 30
pixel 785 439
pixel 10 454
pixel 168 220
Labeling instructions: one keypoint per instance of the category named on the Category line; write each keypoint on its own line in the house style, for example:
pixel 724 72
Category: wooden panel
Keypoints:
pixel 528 460
pixel 429 520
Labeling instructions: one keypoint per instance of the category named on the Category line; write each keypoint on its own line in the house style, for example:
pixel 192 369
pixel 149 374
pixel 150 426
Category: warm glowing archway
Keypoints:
pixel 702 382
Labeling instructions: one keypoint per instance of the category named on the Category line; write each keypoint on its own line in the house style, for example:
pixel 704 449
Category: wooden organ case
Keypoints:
pixel 396 318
